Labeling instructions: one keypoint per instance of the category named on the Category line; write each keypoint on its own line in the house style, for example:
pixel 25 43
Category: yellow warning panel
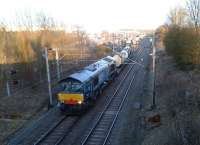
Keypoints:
pixel 70 97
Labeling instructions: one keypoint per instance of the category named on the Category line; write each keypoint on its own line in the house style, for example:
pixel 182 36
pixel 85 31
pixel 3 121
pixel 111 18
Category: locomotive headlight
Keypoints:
pixel 79 102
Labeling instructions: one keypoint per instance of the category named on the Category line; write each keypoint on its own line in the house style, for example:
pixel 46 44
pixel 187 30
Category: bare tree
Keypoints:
pixel 24 21
pixel 45 22
pixel 3 58
pixel 178 16
pixel 79 40
pixel 194 11
pixel 4 53
pixel 46 26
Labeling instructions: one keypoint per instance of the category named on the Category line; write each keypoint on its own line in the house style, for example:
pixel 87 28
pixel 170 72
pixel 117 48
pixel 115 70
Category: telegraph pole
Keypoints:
pixel 48 77
pixel 7 76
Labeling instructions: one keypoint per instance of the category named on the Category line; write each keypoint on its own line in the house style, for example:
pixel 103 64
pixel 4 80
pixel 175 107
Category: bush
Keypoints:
pixel 184 45
pixel 102 50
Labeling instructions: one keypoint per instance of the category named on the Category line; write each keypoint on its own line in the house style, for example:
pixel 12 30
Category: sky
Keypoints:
pixel 95 15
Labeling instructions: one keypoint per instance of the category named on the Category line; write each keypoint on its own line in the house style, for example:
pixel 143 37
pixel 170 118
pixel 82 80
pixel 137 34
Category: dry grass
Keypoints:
pixel 177 100
pixel 177 103
pixel 8 126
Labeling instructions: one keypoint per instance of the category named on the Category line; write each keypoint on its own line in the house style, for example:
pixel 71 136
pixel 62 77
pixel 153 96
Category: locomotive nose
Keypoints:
pixel 70 98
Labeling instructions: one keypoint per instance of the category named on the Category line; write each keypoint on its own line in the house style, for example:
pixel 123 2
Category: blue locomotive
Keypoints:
pixel 81 89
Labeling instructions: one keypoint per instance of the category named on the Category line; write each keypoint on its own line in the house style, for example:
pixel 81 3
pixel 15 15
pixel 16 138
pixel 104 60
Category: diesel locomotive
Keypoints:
pixel 80 90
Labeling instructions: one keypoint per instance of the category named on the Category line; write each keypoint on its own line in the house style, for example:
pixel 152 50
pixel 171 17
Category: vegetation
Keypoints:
pixel 183 44
pixel 181 35
pixel 22 49
pixel 26 48
pixel 102 50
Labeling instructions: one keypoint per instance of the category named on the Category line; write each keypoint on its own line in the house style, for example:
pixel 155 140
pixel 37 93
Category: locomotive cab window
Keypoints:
pixel 73 87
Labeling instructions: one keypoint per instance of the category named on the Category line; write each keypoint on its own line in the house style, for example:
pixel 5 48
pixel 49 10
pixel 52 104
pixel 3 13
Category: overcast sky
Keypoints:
pixel 96 15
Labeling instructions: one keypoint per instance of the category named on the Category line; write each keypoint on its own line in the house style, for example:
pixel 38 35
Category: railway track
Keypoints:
pixel 61 129
pixel 102 128
pixel 100 132
pixel 58 131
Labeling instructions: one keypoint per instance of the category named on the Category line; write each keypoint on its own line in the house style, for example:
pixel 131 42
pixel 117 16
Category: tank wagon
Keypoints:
pixel 121 57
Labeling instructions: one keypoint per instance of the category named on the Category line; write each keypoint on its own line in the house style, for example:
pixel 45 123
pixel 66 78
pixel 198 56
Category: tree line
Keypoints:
pixel 22 47
pixel 181 34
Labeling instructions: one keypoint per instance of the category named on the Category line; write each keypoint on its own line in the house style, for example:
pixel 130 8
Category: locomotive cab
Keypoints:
pixel 72 92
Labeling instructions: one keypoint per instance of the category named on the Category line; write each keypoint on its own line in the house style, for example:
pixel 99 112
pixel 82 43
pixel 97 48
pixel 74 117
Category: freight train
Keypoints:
pixel 80 89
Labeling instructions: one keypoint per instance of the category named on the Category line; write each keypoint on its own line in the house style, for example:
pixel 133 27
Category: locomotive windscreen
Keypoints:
pixel 73 87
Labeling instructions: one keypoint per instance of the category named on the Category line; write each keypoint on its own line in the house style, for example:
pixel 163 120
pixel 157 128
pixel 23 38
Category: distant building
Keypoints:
pixel 128 34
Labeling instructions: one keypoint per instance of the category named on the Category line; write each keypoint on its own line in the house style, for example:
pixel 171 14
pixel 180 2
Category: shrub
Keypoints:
pixel 102 50
pixel 184 45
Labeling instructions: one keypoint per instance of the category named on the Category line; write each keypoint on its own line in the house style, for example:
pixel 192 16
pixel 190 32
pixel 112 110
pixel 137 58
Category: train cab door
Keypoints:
pixel 95 87
pixel 88 90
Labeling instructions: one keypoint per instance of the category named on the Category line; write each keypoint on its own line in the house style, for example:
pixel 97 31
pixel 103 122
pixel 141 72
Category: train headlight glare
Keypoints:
pixel 79 102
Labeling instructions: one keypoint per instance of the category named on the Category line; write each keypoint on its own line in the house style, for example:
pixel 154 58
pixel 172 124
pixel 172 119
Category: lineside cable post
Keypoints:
pixel 48 78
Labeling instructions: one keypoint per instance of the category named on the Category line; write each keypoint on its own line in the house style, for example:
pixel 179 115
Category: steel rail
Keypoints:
pixel 106 107
pixel 120 107
pixel 50 130
pixel 84 142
